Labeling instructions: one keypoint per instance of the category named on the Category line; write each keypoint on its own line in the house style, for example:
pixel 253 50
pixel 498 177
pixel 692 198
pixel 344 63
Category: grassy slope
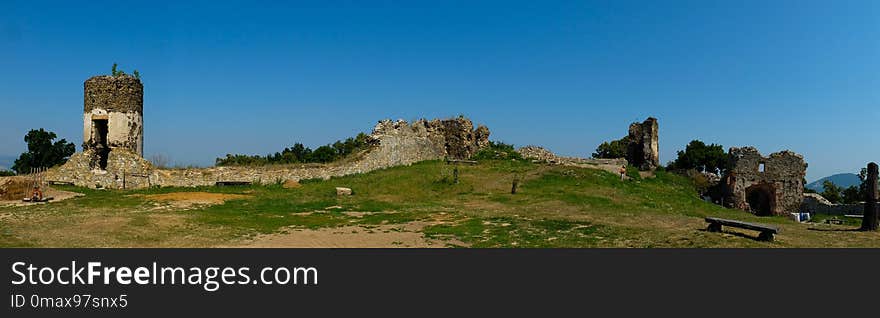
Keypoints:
pixel 554 207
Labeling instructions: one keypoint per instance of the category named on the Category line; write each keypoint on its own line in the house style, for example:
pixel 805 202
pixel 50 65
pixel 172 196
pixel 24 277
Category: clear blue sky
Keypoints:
pixel 253 77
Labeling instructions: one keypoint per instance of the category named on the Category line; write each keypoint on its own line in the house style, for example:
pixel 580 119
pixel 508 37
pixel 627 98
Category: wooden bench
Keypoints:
pixel 766 230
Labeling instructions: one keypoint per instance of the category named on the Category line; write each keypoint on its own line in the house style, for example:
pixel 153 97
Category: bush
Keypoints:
pixel 698 155
pixel 612 150
pixel 299 153
pixel 497 150
pixel 633 172
pixel 6 173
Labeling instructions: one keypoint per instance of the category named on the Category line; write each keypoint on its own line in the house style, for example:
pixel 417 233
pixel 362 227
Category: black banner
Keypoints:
pixel 416 282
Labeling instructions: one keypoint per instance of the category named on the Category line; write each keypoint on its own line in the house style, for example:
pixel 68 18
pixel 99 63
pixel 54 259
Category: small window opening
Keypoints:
pixel 761 167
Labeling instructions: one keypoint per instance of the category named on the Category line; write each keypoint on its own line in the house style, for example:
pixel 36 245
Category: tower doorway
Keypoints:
pixel 99 139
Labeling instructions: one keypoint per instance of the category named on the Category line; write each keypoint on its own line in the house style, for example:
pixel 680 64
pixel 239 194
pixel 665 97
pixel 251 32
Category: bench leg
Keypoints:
pixel 765 236
pixel 714 227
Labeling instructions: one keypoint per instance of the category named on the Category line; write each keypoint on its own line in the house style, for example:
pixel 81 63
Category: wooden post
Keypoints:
pixel 869 218
pixel 455 174
pixel 515 183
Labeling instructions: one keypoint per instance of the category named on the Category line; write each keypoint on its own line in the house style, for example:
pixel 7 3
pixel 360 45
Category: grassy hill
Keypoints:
pixel 555 206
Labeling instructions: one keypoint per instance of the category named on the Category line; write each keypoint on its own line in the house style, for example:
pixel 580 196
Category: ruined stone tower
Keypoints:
pixel 643 150
pixel 113 116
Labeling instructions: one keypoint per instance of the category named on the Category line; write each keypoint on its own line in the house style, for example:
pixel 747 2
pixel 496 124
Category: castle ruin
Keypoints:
pixel 772 185
pixel 643 149
pixel 112 117
pixel 112 155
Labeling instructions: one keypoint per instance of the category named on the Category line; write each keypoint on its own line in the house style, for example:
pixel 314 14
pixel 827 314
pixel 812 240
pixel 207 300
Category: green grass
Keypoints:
pixel 555 206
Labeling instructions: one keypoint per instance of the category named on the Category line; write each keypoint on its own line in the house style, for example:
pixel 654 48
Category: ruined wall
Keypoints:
pixel 643 150
pixel 118 100
pixel 815 204
pixel 394 143
pixel 782 180
pixel 540 154
pixel 125 169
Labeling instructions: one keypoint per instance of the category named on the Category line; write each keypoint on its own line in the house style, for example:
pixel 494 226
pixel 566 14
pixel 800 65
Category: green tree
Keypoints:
pixel 42 151
pixel 698 155
pixel 831 192
pixel 323 154
pixel 613 149
pixel 851 195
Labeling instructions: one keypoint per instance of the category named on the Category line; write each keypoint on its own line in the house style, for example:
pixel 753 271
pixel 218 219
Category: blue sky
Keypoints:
pixel 253 77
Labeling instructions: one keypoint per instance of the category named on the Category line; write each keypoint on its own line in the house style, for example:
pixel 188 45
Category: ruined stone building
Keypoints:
pixel 113 134
pixel 772 185
pixel 643 149
pixel 112 117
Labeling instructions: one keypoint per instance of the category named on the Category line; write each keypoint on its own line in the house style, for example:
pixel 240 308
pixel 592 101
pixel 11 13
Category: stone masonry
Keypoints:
pixel 112 155
pixel 113 109
pixel 540 154
pixel 394 143
pixel 643 150
pixel 772 185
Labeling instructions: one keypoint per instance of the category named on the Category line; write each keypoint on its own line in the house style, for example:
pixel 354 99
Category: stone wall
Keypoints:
pixel 540 154
pixel 815 204
pixel 643 150
pixel 120 101
pixel 394 143
pixel 765 185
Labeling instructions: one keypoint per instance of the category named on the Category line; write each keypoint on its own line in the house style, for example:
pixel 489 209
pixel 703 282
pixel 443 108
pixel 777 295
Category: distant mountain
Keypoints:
pixel 843 180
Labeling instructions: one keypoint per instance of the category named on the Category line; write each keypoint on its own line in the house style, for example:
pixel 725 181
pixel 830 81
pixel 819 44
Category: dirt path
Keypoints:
pixel 56 195
pixel 398 235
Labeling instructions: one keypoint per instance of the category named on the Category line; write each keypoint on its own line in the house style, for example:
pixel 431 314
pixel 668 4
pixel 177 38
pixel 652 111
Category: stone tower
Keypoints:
pixel 113 116
pixel 643 150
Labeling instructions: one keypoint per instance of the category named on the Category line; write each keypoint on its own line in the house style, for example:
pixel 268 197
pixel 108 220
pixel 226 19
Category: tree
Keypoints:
pixel 831 192
pixel 42 152
pixel 612 150
pixel 323 154
pixel 698 155
pixel 852 195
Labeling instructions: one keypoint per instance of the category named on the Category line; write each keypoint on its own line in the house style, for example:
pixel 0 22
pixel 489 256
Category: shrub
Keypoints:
pixel 613 149
pixel 299 153
pixel 497 150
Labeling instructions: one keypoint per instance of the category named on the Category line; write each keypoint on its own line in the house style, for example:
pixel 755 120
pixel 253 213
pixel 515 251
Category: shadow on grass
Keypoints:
pixel 834 230
pixel 738 234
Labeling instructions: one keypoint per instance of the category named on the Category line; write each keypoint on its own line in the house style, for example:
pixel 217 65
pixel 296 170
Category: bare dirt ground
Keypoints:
pixel 57 195
pixel 380 236
pixel 186 200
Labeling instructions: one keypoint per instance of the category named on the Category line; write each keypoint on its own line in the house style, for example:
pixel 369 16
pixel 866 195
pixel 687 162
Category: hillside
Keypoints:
pixel 411 206
pixel 844 180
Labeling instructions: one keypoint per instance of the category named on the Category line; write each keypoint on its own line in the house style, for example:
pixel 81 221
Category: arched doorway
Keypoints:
pixel 761 200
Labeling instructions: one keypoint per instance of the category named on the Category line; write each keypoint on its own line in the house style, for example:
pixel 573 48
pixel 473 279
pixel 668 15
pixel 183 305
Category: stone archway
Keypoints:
pixel 761 199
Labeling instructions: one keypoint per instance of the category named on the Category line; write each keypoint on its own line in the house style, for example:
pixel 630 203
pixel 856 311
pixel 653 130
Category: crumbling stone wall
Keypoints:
pixel 540 154
pixel 816 204
pixel 772 185
pixel 125 170
pixel 118 102
pixel 394 143
pixel 643 149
